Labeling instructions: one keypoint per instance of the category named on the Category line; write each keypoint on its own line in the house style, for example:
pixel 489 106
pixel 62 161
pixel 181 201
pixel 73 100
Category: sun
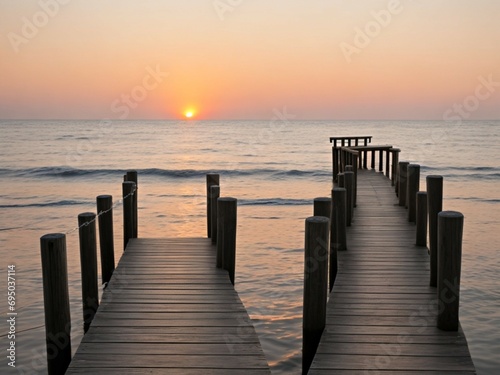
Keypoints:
pixel 189 113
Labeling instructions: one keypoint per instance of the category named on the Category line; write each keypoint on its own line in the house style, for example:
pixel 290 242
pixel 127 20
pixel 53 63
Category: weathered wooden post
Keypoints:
pixel 395 161
pixel 56 302
pixel 132 176
pixel 322 206
pixel 226 235
pixel 338 235
pixel 349 182
pixel 387 163
pixel 341 180
pixel 88 264
pixel 335 161
pixel 315 287
pixel 128 189
pixel 355 170
pixel 403 170
pixel 421 232
pixel 450 229
pixel 214 195
pixel 212 179
pixel 380 160
pixel 373 159
pixel 413 186
pixel 106 241
pixel 434 207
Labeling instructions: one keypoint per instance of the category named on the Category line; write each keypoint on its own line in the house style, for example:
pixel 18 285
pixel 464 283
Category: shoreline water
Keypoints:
pixel 274 179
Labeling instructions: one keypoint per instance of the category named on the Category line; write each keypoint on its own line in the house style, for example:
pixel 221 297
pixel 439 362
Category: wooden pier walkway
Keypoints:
pixel 169 310
pixel 381 314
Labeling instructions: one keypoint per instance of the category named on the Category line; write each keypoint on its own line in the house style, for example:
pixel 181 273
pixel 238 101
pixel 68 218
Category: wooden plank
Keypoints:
pixel 381 314
pixel 168 309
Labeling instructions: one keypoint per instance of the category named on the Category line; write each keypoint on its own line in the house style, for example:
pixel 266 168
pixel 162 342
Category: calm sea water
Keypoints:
pixel 52 170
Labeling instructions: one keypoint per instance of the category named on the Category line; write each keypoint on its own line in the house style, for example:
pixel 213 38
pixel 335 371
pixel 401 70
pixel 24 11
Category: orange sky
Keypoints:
pixel 155 59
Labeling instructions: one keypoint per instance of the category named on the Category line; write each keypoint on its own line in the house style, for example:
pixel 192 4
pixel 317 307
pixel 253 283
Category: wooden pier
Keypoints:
pixel 169 307
pixel 384 314
pixel 169 310
pixel 381 315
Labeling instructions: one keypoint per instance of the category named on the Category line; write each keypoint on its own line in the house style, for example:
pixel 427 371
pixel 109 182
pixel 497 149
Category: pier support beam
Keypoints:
pixel 214 195
pixel 434 207
pixel 315 287
pixel 128 190
pixel 212 180
pixel 450 230
pixel 338 235
pixel 412 188
pixel 421 232
pixel 88 263
pixel 402 182
pixel 132 177
pixel 56 303
pixel 106 241
pixel 226 235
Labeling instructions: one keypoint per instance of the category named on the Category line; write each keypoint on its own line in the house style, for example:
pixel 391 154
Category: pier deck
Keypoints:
pixel 381 314
pixel 169 310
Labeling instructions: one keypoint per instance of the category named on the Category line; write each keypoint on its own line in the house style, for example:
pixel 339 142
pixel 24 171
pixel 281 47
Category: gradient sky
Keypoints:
pixel 94 59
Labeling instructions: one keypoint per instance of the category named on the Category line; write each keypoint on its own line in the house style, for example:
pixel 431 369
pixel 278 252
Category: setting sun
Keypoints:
pixel 189 113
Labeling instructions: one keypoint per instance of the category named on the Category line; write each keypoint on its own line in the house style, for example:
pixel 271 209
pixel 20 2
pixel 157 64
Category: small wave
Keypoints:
pixel 478 176
pixel 46 204
pixel 274 202
pixel 69 172
pixel 470 169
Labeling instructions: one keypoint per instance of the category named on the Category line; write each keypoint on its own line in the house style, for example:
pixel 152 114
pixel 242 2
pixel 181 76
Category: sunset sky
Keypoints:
pixel 322 59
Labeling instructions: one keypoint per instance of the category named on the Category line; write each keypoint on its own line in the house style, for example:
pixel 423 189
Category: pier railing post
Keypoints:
pixel 335 161
pixel 338 235
pixel 395 160
pixel 349 187
pixel 128 189
pixel 322 206
pixel 106 241
pixel 403 170
pixel 132 177
pixel 214 195
pixel 315 287
pixel 450 229
pixel 412 188
pixel 341 180
pixel 421 231
pixel 88 263
pixel 56 302
pixel 212 180
pixel 355 170
pixel 434 207
pixel 226 235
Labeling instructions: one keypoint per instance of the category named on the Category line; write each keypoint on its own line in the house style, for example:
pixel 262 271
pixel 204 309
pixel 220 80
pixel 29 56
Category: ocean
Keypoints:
pixel 50 171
